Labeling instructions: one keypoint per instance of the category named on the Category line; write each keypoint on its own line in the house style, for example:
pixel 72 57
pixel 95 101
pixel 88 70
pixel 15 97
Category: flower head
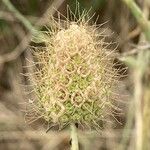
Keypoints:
pixel 75 78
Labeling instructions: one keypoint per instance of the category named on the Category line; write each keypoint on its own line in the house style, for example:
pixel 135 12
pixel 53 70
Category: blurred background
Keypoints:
pixel 131 126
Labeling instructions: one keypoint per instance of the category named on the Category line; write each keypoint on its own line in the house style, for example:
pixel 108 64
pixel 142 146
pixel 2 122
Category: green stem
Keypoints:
pixel 19 16
pixel 141 19
pixel 74 138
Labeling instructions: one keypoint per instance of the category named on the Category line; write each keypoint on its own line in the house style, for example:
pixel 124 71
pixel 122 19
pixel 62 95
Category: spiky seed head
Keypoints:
pixel 75 76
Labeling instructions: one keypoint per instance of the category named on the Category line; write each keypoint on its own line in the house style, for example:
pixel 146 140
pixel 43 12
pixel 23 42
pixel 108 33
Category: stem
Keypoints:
pixel 74 138
pixel 37 36
pixel 141 19
pixel 19 16
pixel 138 108
pixel 127 128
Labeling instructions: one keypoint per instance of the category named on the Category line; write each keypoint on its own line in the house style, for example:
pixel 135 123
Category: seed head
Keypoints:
pixel 75 75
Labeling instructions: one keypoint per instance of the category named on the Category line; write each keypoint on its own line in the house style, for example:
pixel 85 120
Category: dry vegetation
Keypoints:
pixel 124 27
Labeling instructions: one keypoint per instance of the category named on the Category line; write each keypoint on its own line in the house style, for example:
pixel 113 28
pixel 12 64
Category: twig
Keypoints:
pixel 50 11
pixel 134 51
pixel 7 16
pixel 141 19
pixel 56 4
pixel 25 41
pixel 126 132
pixel 139 67
pixel 133 33
pixel 17 51
pixel 26 23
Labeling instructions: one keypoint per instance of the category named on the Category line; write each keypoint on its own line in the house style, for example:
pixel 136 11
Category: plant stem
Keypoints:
pixel 74 138
pixel 141 19
pixel 19 16
pixel 138 108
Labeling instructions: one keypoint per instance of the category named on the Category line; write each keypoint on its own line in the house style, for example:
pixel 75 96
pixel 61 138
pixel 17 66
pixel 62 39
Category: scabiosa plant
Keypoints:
pixel 75 77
